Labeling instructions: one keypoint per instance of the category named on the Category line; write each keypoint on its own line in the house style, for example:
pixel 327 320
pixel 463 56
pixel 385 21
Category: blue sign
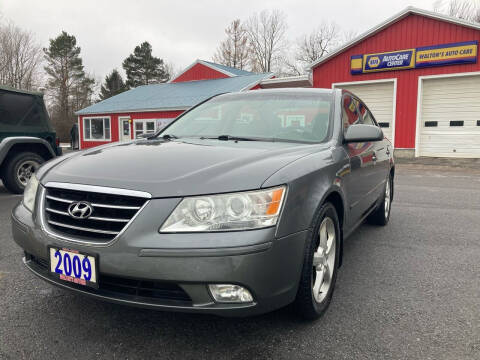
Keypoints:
pixel 395 60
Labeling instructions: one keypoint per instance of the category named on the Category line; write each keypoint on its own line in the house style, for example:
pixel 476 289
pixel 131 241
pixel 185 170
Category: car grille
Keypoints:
pixel 111 213
pixel 118 287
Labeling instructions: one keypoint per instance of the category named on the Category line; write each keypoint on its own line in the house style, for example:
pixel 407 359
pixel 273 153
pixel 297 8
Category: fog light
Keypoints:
pixel 227 293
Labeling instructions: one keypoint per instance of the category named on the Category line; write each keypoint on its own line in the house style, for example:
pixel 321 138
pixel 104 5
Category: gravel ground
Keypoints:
pixel 408 290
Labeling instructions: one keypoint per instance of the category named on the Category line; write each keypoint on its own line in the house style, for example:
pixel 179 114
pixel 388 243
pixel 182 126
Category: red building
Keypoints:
pixel 147 108
pixel 418 72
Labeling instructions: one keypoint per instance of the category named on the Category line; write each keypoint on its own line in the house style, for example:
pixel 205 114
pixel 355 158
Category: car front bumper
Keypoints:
pixel 267 266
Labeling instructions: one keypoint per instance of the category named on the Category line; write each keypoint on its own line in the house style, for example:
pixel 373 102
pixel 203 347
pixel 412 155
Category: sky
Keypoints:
pixel 179 31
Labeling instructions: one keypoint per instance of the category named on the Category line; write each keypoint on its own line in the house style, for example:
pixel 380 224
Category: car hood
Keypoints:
pixel 178 168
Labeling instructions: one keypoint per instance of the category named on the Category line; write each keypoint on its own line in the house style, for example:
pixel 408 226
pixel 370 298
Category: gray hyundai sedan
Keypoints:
pixel 239 207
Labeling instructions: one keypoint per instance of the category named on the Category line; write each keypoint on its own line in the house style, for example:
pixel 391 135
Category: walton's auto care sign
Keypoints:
pixel 446 54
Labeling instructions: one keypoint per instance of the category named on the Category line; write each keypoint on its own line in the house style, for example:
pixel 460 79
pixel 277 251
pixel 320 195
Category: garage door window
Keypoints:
pixel 456 123
pixel 96 129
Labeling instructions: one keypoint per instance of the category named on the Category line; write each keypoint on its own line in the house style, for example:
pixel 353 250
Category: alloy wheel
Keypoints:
pixel 324 260
pixel 387 199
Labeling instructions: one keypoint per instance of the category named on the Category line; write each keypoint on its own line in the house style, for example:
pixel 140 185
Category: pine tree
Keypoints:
pixel 143 68
pixel 68 85
pixel 113 85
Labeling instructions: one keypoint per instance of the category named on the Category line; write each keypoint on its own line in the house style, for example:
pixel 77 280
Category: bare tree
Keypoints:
pixel 347 36
pixel 20 58
pixel 172 69
pixel 266 39
pixel 233 51
pixel 309 48
pixel 468 10
pixel 316 45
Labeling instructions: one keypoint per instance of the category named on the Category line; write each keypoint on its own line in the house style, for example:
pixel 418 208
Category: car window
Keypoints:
pixel 368 119
pixel 350 113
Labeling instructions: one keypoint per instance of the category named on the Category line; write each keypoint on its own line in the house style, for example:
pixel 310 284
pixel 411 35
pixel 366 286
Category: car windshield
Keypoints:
pixel 297 117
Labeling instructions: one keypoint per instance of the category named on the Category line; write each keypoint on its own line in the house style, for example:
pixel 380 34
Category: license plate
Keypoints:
pixel 73 266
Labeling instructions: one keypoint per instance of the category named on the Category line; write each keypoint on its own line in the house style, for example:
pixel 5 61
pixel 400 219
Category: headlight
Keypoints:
pixel 226 212
pixel 30 193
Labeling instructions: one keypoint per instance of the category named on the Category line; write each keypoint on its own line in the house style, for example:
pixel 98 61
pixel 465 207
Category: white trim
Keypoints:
pixel 287 79
pixel 405 12
pixel 126 111
pixel 419 99
pixel 394 80
pixel 120 128
pixel 212 66
pixel 97 117
pixel 80 134
pixel 204 63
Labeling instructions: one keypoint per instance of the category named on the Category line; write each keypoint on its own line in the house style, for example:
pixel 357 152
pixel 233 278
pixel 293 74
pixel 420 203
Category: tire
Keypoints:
pixel 381 215
pixel 308 304
pixel 18 170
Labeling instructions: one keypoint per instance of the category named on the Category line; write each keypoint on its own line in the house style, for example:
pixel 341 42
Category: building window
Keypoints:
pixel 96 129
pixel 145 127
pixel 456 123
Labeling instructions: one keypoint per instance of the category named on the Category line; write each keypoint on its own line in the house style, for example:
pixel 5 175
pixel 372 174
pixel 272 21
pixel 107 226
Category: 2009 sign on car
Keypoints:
pixel 74 267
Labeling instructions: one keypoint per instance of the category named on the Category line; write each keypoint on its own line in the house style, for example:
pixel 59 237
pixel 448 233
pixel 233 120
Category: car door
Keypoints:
pixel 381 156
pixel 359 182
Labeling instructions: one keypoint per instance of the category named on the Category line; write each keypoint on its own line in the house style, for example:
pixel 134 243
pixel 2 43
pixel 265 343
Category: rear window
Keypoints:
pixel 22 112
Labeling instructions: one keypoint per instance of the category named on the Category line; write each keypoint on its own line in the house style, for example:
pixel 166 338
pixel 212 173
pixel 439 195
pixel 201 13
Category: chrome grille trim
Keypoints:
pixel 98 189
pixel 100 242
pixel 64 213
pixel 83 228
pixel 95 204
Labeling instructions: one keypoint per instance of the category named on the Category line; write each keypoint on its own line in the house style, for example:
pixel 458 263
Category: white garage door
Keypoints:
pixel 379 99
pixel 450 117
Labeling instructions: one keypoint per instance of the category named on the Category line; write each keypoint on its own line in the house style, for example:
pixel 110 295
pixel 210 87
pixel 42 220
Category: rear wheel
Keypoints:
pixel 19 169
pixel 319 271
pixel 381 215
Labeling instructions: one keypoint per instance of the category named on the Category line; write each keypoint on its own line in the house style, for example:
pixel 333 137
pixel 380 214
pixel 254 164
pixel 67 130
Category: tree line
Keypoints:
pixel 260 44
pixel 68 87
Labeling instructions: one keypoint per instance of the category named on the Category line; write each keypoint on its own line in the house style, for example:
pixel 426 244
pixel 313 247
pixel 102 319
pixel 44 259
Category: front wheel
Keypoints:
pixel 319 272
pixel 19 169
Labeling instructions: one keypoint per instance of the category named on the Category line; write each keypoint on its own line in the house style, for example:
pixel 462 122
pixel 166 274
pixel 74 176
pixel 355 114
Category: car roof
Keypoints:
pixel 27 92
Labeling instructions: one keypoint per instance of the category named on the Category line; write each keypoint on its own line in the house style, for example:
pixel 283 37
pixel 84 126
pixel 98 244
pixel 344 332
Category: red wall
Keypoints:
pixel 114 124
pixel 410 32
pixel 200 72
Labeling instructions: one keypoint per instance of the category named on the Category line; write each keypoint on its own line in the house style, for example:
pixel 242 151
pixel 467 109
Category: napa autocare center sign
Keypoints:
pixel 438 55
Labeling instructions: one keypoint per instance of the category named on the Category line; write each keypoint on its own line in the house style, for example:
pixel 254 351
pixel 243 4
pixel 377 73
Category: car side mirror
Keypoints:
pixel 363 133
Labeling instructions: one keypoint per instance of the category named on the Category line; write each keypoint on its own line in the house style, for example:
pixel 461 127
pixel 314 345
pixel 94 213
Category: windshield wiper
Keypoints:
pixel 169 137
pixel 236 138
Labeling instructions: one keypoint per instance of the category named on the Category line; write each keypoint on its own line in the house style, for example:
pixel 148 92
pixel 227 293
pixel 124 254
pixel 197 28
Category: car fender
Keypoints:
pixel 7 143
pixel 311 180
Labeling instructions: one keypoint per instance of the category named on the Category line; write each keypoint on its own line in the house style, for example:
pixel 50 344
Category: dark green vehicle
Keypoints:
pixel 27 138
